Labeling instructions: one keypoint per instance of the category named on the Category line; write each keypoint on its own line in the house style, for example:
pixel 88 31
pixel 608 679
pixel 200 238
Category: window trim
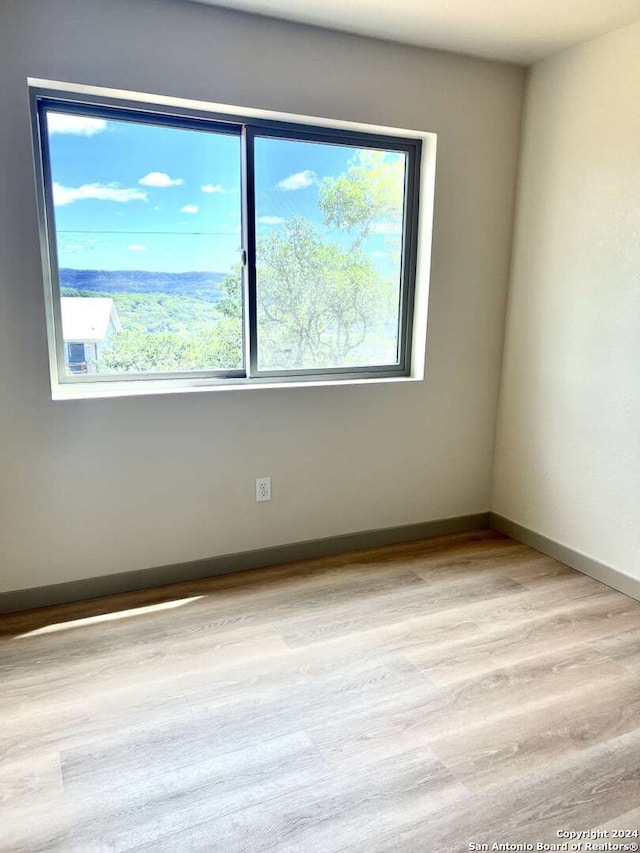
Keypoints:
pixel 247 125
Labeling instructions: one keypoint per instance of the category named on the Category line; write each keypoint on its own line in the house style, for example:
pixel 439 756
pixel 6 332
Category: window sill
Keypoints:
pixel 161 388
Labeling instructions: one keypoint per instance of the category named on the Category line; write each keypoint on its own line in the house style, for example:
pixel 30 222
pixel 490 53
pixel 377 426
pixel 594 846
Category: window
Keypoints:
pixel 76 362
pixel 203 248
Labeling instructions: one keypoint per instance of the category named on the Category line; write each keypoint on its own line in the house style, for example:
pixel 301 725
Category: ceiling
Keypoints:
pixel 520 31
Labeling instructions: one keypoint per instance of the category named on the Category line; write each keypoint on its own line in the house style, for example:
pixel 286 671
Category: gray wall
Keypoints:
pixel 100 486
pixel 568 448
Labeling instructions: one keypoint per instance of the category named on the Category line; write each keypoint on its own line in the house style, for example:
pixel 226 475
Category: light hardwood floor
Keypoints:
pixel 416 698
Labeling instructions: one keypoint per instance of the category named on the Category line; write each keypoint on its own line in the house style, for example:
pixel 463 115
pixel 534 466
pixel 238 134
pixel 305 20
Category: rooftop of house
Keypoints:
pixel 86 318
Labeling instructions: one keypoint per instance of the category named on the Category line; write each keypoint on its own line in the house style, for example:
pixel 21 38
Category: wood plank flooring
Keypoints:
pixel 414 699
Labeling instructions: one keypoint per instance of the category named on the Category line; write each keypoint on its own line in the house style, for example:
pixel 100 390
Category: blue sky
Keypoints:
pixel 148 197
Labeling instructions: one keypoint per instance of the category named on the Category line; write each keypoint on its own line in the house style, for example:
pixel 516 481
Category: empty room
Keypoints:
pixel 319 426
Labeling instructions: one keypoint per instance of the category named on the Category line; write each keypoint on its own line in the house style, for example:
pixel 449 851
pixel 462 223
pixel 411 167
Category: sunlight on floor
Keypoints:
pixel 109 617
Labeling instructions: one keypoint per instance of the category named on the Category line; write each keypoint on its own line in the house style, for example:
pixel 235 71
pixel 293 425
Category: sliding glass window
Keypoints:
pixel 184 245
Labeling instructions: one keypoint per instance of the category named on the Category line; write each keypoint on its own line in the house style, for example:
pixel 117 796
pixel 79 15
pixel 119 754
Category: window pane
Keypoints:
pixel 147 221
pixel 329 231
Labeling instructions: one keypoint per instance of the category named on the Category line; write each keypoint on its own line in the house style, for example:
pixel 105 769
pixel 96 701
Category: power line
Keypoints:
pixel 173 233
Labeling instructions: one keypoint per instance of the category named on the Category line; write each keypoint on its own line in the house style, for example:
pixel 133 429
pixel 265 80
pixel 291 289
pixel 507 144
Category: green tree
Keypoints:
pixel 316 301
pixel 230 302
pixel 319 301
pixel 164 333
pixel 369 195
pixel 137 352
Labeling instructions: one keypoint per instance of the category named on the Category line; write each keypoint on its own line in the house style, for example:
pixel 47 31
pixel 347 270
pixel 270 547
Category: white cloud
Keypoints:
pixel 138 247
pixel 386 228
pixel 78 125
pixel 189 208
pixel 79 244
pixel 270 220
pixel 87 240
pixel 160 179
pixel 212 188
pixel 297 181
pixel 111 192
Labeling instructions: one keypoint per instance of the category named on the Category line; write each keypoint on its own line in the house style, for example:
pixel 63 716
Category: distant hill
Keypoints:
pixel 200 285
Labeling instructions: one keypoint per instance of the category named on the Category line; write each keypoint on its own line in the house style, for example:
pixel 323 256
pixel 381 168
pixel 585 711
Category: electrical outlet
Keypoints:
pixel 263 489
